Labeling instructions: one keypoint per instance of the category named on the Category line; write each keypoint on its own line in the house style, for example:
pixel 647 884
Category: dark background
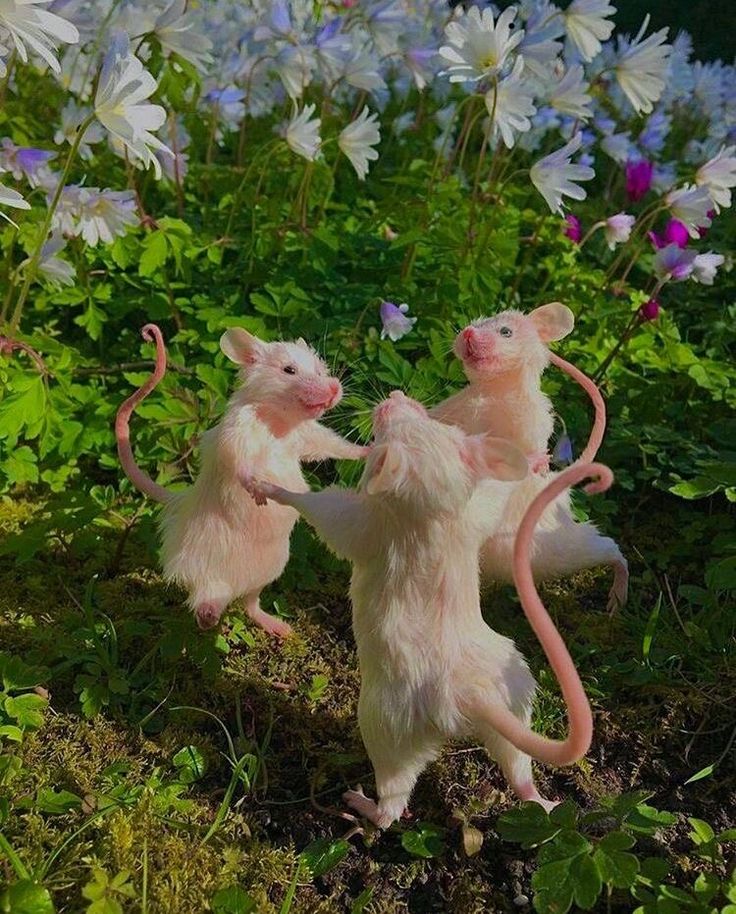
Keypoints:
pixel 711 23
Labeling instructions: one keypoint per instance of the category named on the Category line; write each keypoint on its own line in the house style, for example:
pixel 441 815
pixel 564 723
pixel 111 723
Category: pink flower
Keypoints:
pixel 573 228
pixel 394 321
pixel 702 229
pixel 649 311
pixel 675 232
pixel 638 178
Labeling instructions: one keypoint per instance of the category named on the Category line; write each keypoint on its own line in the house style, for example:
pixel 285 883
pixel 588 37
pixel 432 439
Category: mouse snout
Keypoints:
pixel 335 391
pixel 397 395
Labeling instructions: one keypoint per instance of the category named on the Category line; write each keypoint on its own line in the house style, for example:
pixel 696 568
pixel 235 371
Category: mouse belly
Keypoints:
pixel 214 553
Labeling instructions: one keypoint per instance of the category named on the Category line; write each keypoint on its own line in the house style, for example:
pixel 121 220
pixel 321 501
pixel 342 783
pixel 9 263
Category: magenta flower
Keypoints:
pixel 702 229
pixel 675 232
pixel 649 311
pixel 638 178
pixel 394 320
pixel 573 228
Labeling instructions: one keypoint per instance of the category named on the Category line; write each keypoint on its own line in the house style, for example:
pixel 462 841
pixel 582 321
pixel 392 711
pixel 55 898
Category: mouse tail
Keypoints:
pixel 580 717
pixel 599 422
pixel 134 473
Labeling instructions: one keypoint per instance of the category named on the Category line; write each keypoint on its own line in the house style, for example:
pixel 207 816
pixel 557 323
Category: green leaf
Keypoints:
pixel 701 832
pixel 232 900
pixel 21 466
pixel 191 764
pixel 18 675
pixel 699 775
pixel 586 881
pixel 566 845
pixel 317 686
pixel 426 840
pixel 706 886
pixel 26 897
pixel 26 710
pixel 528 825
pixel 616 867
pixel 154 253
pixel 323 855
pixel 56 802
pixel 358 906
pixel 553 890
pixel 646 819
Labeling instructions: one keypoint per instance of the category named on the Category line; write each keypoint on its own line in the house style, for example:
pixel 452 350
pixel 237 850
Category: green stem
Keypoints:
pixel 20 871
pixel 33 265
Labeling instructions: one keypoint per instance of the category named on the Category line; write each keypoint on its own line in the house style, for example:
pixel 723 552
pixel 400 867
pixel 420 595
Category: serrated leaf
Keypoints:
pixel 566 845
pixel 528 825
pixel 154 254
pixel 323 855
pixel 617 868
pixel 26 710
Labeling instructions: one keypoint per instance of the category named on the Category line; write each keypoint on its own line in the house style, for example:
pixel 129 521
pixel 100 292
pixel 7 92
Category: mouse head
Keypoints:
pixel 510 341
pixel 288 379
pixel 431 468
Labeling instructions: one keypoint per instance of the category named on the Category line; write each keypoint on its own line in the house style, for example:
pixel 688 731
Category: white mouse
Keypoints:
pixel 504 357
pixel 431 669
pixel 215 542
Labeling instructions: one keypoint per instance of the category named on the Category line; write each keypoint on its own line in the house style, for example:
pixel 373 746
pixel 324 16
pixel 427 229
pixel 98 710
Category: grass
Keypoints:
pixel 276 740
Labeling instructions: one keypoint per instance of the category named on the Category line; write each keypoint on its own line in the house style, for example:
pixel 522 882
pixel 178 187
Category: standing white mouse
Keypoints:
pixel 215 542
pixel 504 357
pixel 431 669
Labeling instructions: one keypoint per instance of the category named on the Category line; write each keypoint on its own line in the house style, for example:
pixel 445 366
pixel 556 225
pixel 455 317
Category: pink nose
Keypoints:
pixel 397 395
pixel 468 334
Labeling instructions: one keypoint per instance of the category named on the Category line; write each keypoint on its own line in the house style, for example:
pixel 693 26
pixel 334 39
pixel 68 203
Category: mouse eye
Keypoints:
pixel 506 331
pixel 289 369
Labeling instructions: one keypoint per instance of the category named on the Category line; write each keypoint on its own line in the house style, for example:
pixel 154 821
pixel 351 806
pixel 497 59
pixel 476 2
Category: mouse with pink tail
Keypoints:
pixel 216 543
pixel 504 357
pixel 431 668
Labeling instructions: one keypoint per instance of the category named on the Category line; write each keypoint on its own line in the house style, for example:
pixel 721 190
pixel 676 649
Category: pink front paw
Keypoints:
pixel 538 463
pixel 256 488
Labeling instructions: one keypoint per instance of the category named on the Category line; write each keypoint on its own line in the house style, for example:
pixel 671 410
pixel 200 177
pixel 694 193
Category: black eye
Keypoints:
pixel 506 331
pixel 289 369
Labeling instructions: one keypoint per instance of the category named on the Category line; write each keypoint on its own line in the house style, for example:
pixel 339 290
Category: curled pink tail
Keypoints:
pixel 599 423
pixel 580 717
pixel 122 431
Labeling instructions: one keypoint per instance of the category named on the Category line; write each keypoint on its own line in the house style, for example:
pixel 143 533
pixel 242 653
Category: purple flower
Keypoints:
pixel 562 454
pixel 675 232
pixel 25 161
pixel 573 228
pixel 394 320
pixel 703 229
pixel 673 262
pixel 638 178
pixel 649 311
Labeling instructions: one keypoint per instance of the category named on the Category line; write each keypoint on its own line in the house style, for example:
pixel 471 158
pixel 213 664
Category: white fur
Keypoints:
pixel 504 398
pixel 427 658
pixel 216 542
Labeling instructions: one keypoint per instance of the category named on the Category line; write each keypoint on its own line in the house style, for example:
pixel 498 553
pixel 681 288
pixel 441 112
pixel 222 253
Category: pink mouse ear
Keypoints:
pixel 553 321
pixel 494 458
pixel 385 468
pixel 240 346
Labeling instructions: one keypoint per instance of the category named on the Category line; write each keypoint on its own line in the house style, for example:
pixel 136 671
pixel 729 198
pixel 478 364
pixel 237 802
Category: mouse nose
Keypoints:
pixel 468 334
pixel 398 395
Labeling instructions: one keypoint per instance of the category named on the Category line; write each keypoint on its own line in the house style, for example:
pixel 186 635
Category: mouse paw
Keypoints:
pixel 272 625
pixel 256 488
pixel 362 804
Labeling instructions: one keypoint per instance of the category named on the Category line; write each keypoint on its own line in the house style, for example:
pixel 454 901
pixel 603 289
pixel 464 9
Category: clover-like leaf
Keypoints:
pixel 528 825
pixel 425 840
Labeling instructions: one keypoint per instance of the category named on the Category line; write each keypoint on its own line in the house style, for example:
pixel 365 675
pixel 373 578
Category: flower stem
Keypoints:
pixel 633 323
pixel 591 231
pixel 33 264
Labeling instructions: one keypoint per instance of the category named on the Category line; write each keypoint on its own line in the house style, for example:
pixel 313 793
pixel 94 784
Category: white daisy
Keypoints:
pixel 570 94
pixel 479 47
pixel 691 205
pixel 42 31
pixel 642 68
pixel 179 33
pixel 718 176
pixel 554 175
pixel 587 25
pixel 510 105
pixel 302 134
pixel 357 141
pixel 119 103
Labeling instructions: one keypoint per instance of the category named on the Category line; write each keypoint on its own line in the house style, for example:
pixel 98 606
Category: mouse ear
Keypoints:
pixel 553 321
pixel 496 458
pixel 240 346
pixel 385 468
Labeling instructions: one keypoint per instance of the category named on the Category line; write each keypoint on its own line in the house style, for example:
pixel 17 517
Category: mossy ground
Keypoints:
pixel 659 719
